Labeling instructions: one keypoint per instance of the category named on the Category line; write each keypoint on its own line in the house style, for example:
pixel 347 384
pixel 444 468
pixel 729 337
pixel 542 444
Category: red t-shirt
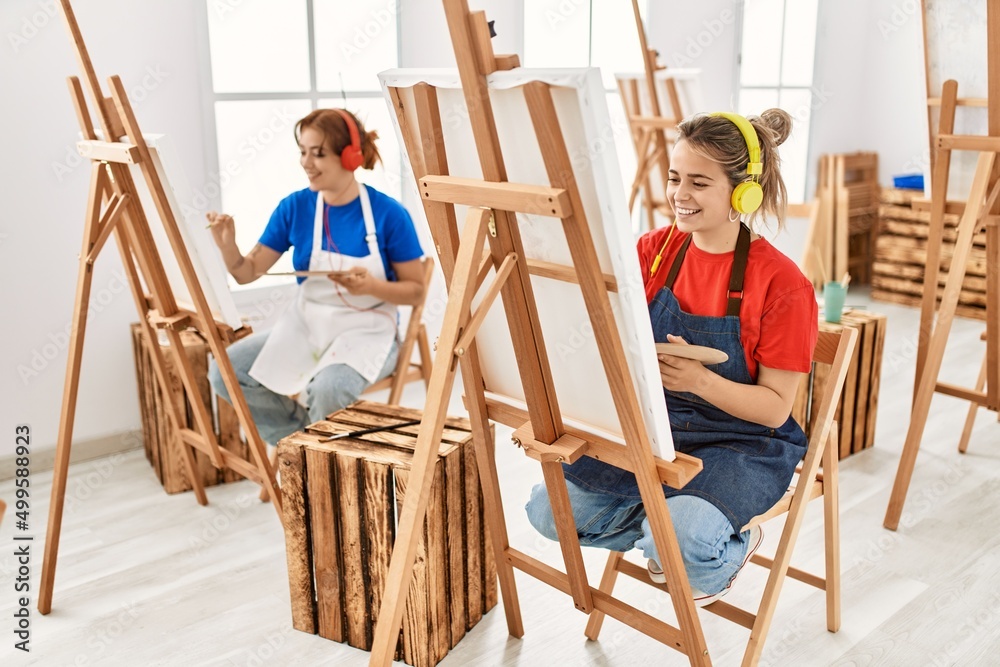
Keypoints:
pixel 778 318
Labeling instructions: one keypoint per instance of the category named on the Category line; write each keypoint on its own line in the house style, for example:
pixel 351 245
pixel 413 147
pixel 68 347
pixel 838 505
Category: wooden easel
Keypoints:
pixel 539 429
pixel 981 209
pixel 112 187
pixel 652 148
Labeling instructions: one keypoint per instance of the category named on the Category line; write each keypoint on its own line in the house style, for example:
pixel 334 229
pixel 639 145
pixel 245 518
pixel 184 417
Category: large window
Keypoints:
pixel 595 33
pixel 273 61
pixel 777 50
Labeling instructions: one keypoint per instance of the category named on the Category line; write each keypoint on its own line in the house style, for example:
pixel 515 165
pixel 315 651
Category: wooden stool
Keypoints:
pixel 341 502
pixel 159 439
pixel 858 405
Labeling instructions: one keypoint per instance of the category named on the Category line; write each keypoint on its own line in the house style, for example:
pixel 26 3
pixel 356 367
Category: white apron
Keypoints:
pixel 326 325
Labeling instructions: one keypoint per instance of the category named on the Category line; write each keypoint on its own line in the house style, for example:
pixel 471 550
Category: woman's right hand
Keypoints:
pixel 223 229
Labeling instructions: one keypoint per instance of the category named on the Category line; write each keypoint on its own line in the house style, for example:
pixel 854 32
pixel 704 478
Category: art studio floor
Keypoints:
pixel 150 579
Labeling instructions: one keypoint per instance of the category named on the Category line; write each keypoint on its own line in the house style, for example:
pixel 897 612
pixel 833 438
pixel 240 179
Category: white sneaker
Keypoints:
pixel 655 572
pixel 702 599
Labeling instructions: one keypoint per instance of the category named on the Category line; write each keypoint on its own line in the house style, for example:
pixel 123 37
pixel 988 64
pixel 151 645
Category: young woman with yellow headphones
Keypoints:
pixel 339 334
pixel 711 281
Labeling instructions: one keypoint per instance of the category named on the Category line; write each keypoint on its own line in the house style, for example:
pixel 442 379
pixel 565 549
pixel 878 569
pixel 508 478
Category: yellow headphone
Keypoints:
pixel 748 195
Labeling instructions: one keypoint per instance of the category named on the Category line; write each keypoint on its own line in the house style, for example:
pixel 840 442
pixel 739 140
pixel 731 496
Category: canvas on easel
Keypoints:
pixel 981 209
pixel 165 278
pixel 543 195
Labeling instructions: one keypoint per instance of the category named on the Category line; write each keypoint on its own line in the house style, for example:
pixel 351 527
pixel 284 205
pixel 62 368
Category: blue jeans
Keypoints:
pixel 276 415
pixel 712 551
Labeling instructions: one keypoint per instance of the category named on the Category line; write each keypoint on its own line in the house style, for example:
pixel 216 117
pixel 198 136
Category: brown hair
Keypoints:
pixel 336 135
pixel 720 140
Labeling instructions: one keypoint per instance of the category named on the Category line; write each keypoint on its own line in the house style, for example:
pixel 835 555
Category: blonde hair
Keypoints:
pixel 720 140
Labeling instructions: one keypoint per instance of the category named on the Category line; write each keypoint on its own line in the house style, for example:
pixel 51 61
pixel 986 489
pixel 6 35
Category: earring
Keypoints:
pixel 736 219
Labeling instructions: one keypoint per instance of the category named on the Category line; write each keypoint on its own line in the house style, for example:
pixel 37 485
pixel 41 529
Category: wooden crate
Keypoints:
pixel 858 407
pixel 160 442
pixel 843 236
pixel 341 504
pixel 901 254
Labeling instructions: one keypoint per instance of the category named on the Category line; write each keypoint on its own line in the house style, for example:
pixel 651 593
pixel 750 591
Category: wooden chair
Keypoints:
pixel 416 336
pixel 833 349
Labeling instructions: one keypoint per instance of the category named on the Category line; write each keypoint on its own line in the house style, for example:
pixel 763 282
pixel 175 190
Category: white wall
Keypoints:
pixel 699 34
pixel 45 194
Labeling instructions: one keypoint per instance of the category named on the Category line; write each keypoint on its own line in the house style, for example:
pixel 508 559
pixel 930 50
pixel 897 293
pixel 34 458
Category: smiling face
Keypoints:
pixel 322 165
pixel 699 192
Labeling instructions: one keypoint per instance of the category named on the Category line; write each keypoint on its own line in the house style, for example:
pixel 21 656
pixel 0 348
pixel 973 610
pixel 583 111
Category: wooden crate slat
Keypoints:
pixel 437 568
pixel 298 537
pixel 454 474
pixel 879 346
pixel 416 616
pixel 349 473
pixel 323 523
pixel 380 529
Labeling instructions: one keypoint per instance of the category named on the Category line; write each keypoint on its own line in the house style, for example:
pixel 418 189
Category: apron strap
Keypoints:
pixel 735 295
pixel 675 268
pixel 739 271
pixel 366 210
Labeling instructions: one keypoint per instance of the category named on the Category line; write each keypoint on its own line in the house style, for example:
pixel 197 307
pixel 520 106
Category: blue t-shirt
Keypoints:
pixel 291 226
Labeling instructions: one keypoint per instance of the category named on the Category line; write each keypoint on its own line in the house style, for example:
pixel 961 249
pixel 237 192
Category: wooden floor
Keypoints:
pixel 150 579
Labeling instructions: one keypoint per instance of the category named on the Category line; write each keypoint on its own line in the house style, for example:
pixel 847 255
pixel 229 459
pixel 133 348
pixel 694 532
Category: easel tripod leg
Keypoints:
pixel 927 381
pixel 608 579
pixel 492 503
pixel 421 471
pixel 970 418
pixel 98 185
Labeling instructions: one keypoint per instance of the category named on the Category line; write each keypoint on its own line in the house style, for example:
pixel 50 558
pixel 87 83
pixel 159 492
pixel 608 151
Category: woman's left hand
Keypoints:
pixel 357 281
pixel 679 374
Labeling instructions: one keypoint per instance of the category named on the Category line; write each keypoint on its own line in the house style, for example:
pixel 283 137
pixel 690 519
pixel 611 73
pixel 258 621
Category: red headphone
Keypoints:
pixel 351 157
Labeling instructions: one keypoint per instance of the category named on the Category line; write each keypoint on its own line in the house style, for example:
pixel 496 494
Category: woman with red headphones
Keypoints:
pixel 711 281
pixel 339 334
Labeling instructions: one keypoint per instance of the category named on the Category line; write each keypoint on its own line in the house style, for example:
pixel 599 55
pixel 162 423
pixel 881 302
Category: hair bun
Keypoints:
pixel 779 122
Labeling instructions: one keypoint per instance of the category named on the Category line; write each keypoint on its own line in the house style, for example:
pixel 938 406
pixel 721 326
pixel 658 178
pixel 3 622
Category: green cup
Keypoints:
pixel 834 293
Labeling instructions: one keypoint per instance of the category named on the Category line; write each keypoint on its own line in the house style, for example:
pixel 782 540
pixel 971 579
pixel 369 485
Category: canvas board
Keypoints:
pixel 581 386
pixel 205 255
pixel 686 81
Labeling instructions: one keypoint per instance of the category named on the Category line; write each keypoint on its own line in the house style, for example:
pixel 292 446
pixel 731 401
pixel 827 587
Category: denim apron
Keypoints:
pixel 747 466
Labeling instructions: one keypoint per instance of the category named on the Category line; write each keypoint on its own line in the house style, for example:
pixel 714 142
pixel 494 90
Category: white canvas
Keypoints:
pixel 581 387
pixel 686 81
pixel 204 254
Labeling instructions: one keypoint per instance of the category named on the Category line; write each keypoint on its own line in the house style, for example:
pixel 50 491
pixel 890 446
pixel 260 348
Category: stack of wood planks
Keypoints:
pixel 842 238
pixel 161 442
pixel 858 406
pixel 901 253
pixel 341 500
